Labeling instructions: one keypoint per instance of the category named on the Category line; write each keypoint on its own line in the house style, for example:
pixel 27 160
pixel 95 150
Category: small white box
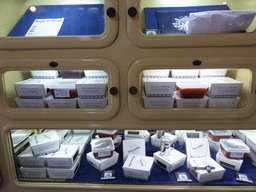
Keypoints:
pixel 95 74
pixel 134 147
pixel 44 74
pixel 223 102
pixel 251 142
pixel 44 143
pixel 252 156
pixel 170 162
pixel 212 72
pixel 61 103
pixel 156 142
pixel 185 73
pixel 32 88
pixel 158 102
pixel 157 73
pixel 82 131
pixel 63 133
pixel 92 103
pixel 77 139
pixel 137 134
pixel 102 164
pixel 64 158
pixel 27 159
pixel 138 167
pixel 240 134
pixel 63 88
pixel 67 173
pixel 94 88
pixel 190 103
pixel 215 146
pixel 159 87
pixel 189 135
pixel 33 173
pixel 230 163
pixel 30 103
pixel 223 87
pixel 198 168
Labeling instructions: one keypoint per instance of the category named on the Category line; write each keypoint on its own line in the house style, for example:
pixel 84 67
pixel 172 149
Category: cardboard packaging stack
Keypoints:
pixel 200 163
pixel 232 152
pixel 158 89
pixel 103 155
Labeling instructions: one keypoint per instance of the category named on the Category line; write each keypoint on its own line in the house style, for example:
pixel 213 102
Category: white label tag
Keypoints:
pixel 236 155
pixel 61 93
pixel 104 154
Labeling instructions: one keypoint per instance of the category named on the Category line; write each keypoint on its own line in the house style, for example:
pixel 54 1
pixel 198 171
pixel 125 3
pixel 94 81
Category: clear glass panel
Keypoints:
pixel 166 17
pixel 165 156
pixel 57 89
pixel 32 18
pixel 199 88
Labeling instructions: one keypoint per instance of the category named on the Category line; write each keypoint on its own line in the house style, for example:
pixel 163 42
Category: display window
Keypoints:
pixel 90 92
pixel 160 90
pixel 58 24
pixel 191 23
pixel 133 157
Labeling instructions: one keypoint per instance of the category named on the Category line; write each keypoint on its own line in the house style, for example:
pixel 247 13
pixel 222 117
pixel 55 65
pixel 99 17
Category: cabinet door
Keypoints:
pixel 239 69
pixel 58 24
pixel 99 100
pixel 169 24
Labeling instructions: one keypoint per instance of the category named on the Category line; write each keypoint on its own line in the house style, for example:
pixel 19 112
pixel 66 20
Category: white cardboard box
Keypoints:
pixel 61 103
pixel 77 139
pixel 159 87
pixel 212 72
pixel 44 143
pixel 251 142
pixel 170 162
pixel 134 147
pixel 30 103
pixel 223 87
pixel 156 142
pixel 190 103
pixel 44 74
pixel 189 134
pixel 95 74
pixel 33 173
pixel 63 133
pixel 185 73
pixel 213 144
pixel 252 156
pixel 66 173
pixel 27 159
pixel 156 73
pixel 223 102
pixel 64 158
pixel 32 88
pixel 158 102
pixel 91 88
pixel 200 163
pixel 102 164
pixel 230 163
pixel 92 103
pixel 138 167
pixel 137 134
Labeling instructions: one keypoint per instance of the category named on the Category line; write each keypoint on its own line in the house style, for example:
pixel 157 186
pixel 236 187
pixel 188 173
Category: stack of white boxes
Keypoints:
pixel 103 154
pixel 158 89
pixel 92 90
pixel 47 157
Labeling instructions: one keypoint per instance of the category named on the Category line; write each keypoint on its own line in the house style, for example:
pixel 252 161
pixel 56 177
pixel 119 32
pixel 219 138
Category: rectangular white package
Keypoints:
pixel 30 103
pixel 92 103
pixel 158 102
pixel 170 162
pixel 44 143
pixel 61 103
pixel 44 74
pixel 156 142
pixel 63 133
pixel 102 164
pixel 184 73
pixel 230 163
pixel 27 159
pixel 33 172
pixel 95 74
pixel 32 88
pixel 156 73
pixel 137 134
pixel 251 142
pixel 91 88
pixel 64 158
pixel 223 87
pixel 188 135
pixel 64 173
pixel 135 147
pixel 212 72
pixel 159 87
pixel 223 102
pixel 138 167
pixel 190 103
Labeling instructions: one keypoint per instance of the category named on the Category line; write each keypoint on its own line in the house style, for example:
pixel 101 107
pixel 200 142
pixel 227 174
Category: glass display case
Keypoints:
pixel 78 24
pixel 191 23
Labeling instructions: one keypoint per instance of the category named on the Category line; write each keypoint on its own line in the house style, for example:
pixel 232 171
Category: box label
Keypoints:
pixel 61 93
pixel 236 155
pixel 104 154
